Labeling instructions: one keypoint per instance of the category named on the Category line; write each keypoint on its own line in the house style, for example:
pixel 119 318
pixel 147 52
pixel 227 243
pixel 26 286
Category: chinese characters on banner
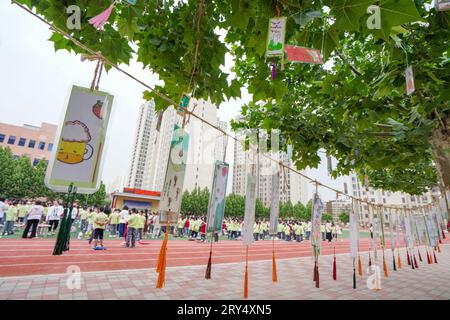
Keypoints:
pixel 216 206
pixel 172 192
pixel 80 143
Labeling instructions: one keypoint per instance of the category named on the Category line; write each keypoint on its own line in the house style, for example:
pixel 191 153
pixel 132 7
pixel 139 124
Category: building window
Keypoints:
pixel 41 145
pixel 50 147
pixel 22 142
pixel 31 144
pixel 12 139
pixel 2 137
pixel 35 162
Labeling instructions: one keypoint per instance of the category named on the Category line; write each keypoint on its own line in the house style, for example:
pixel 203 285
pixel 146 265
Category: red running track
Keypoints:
pixel 34 256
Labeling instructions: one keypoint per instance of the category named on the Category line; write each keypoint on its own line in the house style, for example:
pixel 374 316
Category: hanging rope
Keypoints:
pixel 172 102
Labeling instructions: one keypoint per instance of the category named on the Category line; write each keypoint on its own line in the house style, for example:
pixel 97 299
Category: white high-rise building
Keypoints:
pixel 293 187
pixel 142 147
pixel 206 145
pixel 379 196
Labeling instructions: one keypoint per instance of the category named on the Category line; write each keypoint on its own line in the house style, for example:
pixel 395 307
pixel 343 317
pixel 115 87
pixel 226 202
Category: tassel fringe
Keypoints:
pixel 399 260
pixel 334 269
pixel 434 254
pixel 415 262
pixel 162 260
pixel 385 268
pixel 208 267
pixel 420 256
pixel 360 266
pixel 274 269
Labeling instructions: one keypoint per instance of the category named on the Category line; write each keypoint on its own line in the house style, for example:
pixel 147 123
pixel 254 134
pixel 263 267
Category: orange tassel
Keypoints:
pixel 246 276
pixel 399 261
pixel 162 260
pixel 428 258
pixel 274 263
pixel 377 281
pixel 385 268
pixel 360 266
pixel 439 249
pixel 274 269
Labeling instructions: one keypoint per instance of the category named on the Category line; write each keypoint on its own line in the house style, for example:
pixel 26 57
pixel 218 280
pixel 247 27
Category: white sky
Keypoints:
pixel 35 82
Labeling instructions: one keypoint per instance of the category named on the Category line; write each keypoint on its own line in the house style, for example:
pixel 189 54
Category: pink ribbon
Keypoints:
pixel 99 20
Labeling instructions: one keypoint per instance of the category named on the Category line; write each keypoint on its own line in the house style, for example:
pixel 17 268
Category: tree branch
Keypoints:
pixel 355 71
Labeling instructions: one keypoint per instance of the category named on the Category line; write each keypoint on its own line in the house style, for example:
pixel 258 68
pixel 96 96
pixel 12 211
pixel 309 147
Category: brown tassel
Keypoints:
pixel 399 261
pixel 443 233
pixel 208 267
pixel 246 275
pixel 360 266
pixel 408 258
pixel 334 269
pixel 385 268
pixel 415 262
pixel 274 263
pixel 420 256
pixel 434 254
pixel 317 277
pixel 429 258
pixel 315 271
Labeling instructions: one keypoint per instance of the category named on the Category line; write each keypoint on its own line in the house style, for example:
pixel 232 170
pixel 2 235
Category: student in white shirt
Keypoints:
pixel 53 216
pixel 34 217
pixel 123 217
pixel 3 209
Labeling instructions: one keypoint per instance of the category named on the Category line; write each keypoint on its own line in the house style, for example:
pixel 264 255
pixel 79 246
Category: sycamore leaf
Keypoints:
pixel 348 13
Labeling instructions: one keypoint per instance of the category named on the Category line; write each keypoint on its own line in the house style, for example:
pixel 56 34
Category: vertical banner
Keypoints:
pixel 406 225
pixel 354 234
pixel 442 5
pixel 172 192
pixel 397 229
pixel 436 222
pixel 410 88
pixel 430 230
pixel 275 37
pixel 316 220
pixel 391 230
pixel 79 148
pixel 420 229
pixel 216 207
pixel 275 205
pixel 250 204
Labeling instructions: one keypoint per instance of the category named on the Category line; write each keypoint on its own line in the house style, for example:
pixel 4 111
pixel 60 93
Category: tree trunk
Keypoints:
pixel 440 141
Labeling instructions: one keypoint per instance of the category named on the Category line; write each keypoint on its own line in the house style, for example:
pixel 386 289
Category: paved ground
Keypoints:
pixel 295 282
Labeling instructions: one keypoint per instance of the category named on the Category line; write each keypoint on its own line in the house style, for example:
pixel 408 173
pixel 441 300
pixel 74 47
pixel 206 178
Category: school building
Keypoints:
pixel 34 142
pixel 136 198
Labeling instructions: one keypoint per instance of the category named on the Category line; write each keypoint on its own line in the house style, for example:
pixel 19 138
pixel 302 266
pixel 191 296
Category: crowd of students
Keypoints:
pixel 133 225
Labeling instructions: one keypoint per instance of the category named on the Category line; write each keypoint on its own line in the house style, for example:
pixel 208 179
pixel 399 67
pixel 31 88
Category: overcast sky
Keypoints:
pixel 35 82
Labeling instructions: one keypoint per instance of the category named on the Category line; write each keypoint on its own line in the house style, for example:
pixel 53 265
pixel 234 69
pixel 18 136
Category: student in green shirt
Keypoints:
pixel 114 222
pixel 133 223
pixel 23 209
pixel 140 225
pixel 100 220
pixel 10 217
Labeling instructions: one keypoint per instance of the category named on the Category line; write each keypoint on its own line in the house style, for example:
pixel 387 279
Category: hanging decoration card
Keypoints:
pixel 275 205
pixel 442 5
pixel 250 203
pixel 275 37
pixel 316 220
pixel 304 55
pixel 176 168
pixel 410 88
pixel 354 234
pixel 77 156
pixel 216 207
